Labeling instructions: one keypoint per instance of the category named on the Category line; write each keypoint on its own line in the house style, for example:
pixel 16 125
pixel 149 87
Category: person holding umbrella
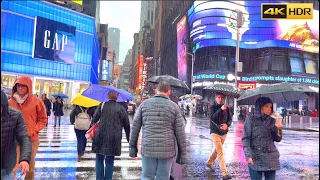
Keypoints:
pixel 260 132
pixel 58 110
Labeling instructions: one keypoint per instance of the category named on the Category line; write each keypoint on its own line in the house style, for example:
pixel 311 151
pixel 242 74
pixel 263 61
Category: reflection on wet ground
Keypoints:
pixel 57 155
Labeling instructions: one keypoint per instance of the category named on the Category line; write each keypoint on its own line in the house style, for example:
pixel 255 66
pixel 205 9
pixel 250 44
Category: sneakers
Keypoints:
pixel 226 177
pixel 79 158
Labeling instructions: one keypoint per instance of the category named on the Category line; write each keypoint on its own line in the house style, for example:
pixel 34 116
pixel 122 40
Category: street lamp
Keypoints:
pixel 239 25
pixel 192 55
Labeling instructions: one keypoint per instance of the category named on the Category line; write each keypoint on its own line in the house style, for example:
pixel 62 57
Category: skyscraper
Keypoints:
pixel 147 14
pixel 114 41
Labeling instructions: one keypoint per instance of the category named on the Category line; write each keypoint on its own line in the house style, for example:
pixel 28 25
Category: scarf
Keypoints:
pixel 19 99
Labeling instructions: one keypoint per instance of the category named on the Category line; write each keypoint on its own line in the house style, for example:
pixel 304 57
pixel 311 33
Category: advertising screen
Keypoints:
pixel 213 23
pixel 54 40
pixel 182 48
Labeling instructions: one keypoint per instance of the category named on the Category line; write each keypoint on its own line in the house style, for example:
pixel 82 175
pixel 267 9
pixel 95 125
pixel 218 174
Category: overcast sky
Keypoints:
pixel 124 15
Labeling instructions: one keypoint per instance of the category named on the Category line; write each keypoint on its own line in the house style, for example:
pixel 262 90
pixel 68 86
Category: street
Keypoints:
pixel 56 158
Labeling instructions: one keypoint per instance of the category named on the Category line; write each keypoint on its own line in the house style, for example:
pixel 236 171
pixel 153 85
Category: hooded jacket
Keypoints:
pixel 33 109
pixel 258 139
pixel 13 128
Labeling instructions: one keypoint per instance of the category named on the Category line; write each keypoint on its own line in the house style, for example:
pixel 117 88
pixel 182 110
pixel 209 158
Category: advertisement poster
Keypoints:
pixel 182 48
pixel 54 40
pixel 213 23
pixel 116 71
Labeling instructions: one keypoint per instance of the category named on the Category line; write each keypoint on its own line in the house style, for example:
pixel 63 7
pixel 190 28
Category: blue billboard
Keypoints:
pixel 42 39
pixel 213 23
pixel 54 40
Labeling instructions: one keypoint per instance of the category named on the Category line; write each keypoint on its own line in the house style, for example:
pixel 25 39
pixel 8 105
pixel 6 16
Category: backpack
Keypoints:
pixel 83 120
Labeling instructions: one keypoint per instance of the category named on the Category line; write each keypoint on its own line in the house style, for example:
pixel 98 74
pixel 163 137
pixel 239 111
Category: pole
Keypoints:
pixel 239 25
pixel 113 57
pixel 192 74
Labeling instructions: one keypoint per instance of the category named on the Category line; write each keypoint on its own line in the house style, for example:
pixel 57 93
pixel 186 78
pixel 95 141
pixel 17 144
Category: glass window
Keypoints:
pixel 296 65
pixel 224 66
pixel 279 63
pixel 311 66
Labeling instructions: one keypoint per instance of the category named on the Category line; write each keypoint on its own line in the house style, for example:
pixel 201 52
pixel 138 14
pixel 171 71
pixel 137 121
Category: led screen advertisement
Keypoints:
pixel 213 23
pixel 53 40
pixel 182 48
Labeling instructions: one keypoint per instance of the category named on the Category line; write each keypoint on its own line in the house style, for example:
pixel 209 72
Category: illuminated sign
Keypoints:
pixel 213 23
pixel 287 11
pixel 210 76
pixel 242 85
pixel 182 48
pixel 139 71
pixel 144 76
pixel 289 79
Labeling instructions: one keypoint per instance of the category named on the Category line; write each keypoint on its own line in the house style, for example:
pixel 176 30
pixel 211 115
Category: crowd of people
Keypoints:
pixel 163 133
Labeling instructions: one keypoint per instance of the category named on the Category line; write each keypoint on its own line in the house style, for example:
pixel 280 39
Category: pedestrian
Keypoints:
pixel 58 110
pixel 34 114
pixel 81 117
pixel 124 104
pixel 13 128
pixel 260 132
pixel 162 127
pixel 48 105
pixel 221 120
pixel 107 140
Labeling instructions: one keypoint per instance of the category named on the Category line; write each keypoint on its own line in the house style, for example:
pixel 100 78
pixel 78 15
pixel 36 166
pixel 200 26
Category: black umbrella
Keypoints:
pixel 170 79
pixel 278 93
pixel 226 89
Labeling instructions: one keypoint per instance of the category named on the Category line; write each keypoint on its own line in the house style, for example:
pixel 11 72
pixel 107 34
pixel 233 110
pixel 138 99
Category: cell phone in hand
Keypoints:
pixel 20 175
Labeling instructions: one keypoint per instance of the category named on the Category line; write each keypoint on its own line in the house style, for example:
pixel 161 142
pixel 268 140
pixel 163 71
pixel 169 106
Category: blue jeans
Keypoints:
pixel 257 175
pixel 81 141
pixel 107 171
pixel 152 167
pixel 55 120
pixel 5 176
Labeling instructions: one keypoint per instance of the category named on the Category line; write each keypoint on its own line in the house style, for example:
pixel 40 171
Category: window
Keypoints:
pixel 213 62
pixel 224 65
pixel 279 63
pixel 296 65
pixel 311 66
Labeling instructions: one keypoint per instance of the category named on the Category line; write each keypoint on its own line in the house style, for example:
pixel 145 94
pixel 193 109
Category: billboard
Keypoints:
pixel 53 40
pixel 182 48
pixel 105 70
pixel 116 71
pixel 213 23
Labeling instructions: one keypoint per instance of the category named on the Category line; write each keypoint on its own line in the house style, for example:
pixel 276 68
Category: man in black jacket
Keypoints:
pixel 13 128
pixel 221 120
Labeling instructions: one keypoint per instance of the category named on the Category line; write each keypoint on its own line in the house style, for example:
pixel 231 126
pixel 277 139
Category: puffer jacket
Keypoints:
pixel 113 118
pixel 33 109
pixel 258 139
pixel 162 128
pixel 13 129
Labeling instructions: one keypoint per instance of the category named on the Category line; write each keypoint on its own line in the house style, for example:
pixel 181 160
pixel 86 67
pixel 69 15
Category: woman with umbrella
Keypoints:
pixel 58 110
pixel 260 132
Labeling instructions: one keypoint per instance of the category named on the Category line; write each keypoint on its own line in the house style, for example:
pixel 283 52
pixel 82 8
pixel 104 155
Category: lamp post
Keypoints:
pixel 192 55
pixel 239 25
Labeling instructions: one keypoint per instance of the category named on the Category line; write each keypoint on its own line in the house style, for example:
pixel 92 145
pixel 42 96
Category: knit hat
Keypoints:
pixel 260 102
pixel 4 99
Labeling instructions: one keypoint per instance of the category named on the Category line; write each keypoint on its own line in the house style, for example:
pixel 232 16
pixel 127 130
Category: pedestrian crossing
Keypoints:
pixel 57 157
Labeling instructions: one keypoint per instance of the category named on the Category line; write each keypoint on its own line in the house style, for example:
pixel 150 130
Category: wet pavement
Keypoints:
pixel 56 159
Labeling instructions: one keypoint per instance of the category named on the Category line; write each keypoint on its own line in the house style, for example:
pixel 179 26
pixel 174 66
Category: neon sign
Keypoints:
pixel 289 79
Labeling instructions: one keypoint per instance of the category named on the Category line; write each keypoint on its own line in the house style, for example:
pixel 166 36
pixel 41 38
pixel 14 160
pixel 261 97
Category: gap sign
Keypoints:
pixel 53 40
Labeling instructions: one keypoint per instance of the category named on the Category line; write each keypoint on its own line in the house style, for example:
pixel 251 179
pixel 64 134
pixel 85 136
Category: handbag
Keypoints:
pixel 92 131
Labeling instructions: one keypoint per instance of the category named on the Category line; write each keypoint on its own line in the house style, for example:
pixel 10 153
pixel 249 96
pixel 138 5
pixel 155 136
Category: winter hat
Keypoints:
pixel 261 101
pixel 4 99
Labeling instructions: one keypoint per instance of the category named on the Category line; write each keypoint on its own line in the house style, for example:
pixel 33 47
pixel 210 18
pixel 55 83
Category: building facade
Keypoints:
pixel 55 46
pixel 137 51
pixel 271 51
pixel 147 13
pixel 125 71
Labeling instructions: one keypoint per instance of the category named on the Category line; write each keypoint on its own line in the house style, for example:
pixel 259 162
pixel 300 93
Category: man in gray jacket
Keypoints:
pixel 162 128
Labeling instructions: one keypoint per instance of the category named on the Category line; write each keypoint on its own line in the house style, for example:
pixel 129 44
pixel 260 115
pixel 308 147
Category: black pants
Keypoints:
pixel 81 141
pixel 257 175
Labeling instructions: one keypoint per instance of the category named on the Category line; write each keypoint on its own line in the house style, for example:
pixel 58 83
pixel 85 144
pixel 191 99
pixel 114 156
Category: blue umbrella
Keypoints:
pixel 62 96
pixel 100 93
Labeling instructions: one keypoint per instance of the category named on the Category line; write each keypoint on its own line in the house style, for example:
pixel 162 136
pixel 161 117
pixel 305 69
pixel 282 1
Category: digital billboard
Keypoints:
pixel 54 40
pixel 182 48
pixel 213 23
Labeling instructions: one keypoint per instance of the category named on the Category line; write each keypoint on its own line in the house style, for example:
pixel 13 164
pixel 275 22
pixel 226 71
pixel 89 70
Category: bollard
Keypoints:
pixel 290 121
pixel 287 121
pixel 310 121
pixel 301 122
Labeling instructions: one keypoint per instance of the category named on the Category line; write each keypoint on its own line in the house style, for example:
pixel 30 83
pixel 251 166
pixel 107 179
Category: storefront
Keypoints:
pixel 269 53
pixel 55 46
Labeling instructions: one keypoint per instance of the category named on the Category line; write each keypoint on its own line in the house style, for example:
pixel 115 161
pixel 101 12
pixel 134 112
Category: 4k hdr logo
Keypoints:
pixel 287 11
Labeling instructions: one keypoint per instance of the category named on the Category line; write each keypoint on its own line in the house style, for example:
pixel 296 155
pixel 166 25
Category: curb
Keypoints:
pixel 296 129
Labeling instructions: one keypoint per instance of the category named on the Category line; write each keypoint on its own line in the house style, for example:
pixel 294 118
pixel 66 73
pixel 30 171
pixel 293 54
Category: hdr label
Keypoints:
pixel 286 11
